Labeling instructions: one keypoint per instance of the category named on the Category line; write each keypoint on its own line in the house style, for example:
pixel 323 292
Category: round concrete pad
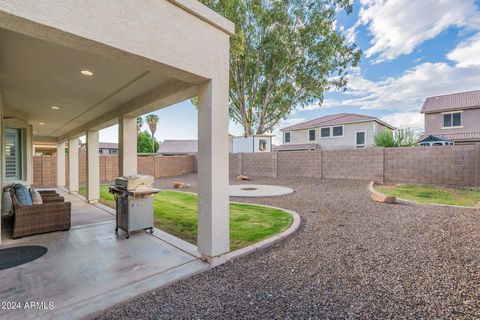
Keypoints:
pixel 257 190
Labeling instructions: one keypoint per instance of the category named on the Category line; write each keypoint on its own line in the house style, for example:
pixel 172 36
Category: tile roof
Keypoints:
pixel 334 119
pixel 461 136
pixel 103 145
pixel 297 147
pixel 178 147
pixel 108 145
pixel 454 101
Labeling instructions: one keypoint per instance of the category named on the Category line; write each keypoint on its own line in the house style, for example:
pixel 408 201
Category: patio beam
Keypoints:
pixel 213 199
pixel 162 96
pixel 127 146
pixel 185 24
pixel 61 164
pixel 93 167
pixel 73 165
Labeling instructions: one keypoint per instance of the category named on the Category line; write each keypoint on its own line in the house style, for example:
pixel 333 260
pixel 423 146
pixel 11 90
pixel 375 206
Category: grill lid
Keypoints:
pixel 136 183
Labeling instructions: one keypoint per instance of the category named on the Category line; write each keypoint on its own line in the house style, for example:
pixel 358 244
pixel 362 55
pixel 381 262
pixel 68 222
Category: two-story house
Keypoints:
pixel 336 131
pixel 452 119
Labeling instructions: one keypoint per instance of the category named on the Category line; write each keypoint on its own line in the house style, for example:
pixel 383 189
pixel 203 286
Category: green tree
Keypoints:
pixel 140 123
pixel 403 137
pixel 285 54
pixel 144 143
pixel 384 139
pixel 152 120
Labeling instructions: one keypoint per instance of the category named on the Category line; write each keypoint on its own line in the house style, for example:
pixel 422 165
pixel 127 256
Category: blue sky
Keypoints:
pixel 412 50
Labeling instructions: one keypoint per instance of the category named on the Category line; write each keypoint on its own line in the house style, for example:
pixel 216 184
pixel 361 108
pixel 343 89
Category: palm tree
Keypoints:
pixel 140 123
pixel 152 120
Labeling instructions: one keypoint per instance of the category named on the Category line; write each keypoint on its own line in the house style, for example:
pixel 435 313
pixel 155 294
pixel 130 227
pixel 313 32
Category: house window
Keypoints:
pixel 262 145
pixel 287 136
pixel 325 132
pixel 360 139
pixel 452 119
pixel 113 151
pixel 13 154
pixel 311 135
pixel 338 131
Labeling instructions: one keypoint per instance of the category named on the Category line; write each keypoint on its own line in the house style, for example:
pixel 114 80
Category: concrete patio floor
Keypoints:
pixel 90 268
pixel 84 213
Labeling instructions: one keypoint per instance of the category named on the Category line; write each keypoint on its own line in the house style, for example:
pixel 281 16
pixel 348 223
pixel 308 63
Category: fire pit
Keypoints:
pixel 258 190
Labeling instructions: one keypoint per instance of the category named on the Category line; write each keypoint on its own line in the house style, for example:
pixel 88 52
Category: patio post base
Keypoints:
pixel 214 261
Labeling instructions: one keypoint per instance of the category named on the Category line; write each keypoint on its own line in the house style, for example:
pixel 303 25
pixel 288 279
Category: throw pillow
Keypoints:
pixel 22 194
pixel 36 197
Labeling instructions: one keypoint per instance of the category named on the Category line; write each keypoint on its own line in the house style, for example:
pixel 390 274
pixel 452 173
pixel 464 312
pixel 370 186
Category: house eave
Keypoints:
pixel 341 123
pixel 449 109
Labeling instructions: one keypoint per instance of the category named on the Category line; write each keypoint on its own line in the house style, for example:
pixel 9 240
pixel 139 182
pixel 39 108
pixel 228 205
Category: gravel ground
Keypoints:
pixel 351 258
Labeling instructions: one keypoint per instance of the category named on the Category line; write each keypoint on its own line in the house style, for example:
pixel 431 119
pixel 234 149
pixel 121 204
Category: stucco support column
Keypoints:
pixel 213 199
pixel 2 155
pixel 73 165
pixel 29 155
pixel 127 146
pixel 93 167
pixel 61 164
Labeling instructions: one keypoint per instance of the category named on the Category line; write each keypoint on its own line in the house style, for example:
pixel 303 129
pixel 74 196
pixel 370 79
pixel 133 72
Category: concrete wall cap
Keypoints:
pixel 206 14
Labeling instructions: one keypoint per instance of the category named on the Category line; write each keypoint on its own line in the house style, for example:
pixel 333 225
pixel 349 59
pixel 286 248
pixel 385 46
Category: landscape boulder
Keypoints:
pixel 180 185
pixel 378 197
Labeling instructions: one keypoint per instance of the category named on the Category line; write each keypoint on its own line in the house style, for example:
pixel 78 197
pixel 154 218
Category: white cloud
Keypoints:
pixel 467 53
pixel 398 26
pixel 413 120
pixel 351 34
pixel 407 91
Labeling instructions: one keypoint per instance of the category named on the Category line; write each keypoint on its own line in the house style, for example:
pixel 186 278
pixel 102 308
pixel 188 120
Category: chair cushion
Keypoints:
pixel 23 195
pixel 36 197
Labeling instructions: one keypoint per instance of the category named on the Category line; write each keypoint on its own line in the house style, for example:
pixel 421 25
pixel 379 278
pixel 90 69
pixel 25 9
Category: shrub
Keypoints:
pixel 384 139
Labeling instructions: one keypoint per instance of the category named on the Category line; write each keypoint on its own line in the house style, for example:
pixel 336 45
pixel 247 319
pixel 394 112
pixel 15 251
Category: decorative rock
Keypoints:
pixel 180 185
pixel 241 178
pixel 378 197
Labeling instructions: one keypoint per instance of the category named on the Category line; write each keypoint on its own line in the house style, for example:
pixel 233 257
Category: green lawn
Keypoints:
pixel 430 194
pixel 176 213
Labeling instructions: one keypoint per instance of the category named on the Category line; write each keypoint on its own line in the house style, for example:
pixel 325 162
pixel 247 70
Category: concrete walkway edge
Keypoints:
pixel 216 261
pixel 264 243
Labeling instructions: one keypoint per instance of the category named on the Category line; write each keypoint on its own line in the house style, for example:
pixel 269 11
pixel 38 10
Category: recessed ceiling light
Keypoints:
pixel 55 108
pixel 87 73
pixel 41 123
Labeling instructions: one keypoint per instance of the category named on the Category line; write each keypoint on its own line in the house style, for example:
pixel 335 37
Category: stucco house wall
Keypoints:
pixel 251 144
pixel 348 140
pixel 470 122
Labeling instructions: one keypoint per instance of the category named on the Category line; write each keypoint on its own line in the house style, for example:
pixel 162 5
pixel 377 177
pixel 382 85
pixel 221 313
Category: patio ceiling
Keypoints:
pixel 43 83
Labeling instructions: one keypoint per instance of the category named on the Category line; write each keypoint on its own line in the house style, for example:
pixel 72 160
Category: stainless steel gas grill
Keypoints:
pixel 134 203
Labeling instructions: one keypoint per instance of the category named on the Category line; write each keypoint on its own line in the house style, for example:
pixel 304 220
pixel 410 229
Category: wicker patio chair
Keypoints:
pixel 50 196
pixel 42 218
pixel 47 192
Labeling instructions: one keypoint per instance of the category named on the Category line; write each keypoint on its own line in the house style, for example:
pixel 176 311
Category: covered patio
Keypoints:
pixel 75 69
pixel 89 268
